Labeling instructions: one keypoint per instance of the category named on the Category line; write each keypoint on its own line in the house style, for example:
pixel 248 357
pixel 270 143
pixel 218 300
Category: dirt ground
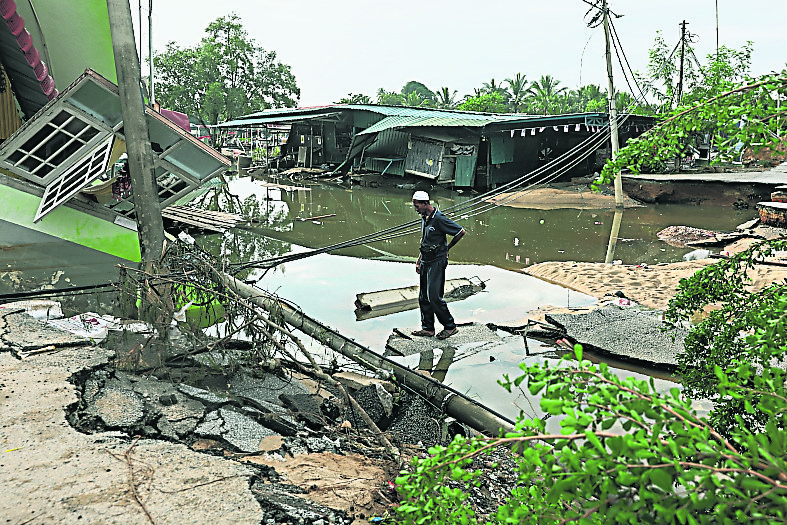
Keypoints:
pixel 348 483
pixel 651 286
pixel 552 198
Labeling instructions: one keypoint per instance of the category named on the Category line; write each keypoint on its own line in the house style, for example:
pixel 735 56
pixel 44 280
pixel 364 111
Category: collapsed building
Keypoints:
pixel 454 148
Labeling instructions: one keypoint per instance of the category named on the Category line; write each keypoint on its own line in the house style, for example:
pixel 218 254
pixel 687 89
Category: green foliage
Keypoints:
pixel 517 93
pixel 355 98
pixel 446 99
pixel 226 75
pixel 421 91
pixel 545 94
pixel 745 334
pixel 484 103
pixel 389 98
pixel 722 71
pixel 748 116
pixel 624 454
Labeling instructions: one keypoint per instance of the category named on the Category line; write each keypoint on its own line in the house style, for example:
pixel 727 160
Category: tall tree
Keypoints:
pixel 485 103
pixel 446 99
pixel 355 98
pixel 545 93
pixel 492 87
pixel 592 98
pixel 225 76
pixel 415 99
pixel 517 92
pixel 421 90
pixel 389 98
pixel 664 71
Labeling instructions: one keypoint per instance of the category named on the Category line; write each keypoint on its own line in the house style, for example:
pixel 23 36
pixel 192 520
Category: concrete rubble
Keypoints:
pixel 629 332
pixel 55 474
pixel 131 445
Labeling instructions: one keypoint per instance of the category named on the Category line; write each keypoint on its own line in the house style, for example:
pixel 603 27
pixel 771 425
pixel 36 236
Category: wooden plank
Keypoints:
pixel 284 187
pixel 204 219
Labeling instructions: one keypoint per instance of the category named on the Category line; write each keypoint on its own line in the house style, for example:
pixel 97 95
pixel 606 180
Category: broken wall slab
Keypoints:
pixel 626 332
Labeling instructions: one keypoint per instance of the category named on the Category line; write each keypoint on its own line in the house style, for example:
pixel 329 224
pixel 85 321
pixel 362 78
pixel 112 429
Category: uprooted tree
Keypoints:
pixel 748 116
pixel 624 453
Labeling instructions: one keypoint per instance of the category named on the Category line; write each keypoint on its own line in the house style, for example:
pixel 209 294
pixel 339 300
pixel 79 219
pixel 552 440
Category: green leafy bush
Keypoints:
pixel 744 335
pixel 625 454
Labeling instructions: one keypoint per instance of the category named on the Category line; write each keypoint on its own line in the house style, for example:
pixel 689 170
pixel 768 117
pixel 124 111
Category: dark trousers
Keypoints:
pixel 430 298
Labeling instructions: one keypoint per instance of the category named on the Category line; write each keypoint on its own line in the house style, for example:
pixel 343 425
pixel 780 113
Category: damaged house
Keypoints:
pixel 59 146
pixel 455 148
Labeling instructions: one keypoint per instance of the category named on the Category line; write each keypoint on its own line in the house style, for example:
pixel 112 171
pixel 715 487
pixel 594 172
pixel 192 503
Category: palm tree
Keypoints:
pixel 389 98
pixel 414 99
pixel 446 99
pixel 591 96
pixel 517 91
pixel 625 102
pixel 494 87
pixel 355 98
pixel 545 92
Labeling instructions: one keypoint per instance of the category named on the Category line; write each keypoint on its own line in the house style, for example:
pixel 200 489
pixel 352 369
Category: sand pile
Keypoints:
pixel 651 286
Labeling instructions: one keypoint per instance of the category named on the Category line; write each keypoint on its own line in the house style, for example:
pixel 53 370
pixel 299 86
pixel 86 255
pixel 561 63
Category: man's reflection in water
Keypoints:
pixel 441 368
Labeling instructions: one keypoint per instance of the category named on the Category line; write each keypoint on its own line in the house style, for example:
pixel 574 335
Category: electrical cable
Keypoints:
pixel 481 203
pixel 54 292
pixel 589 145
pixel 616 42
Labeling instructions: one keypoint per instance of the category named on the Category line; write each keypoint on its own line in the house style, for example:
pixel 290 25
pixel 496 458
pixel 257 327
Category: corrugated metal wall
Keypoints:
pixel 9 115
pixel 390 144
pixel 364 119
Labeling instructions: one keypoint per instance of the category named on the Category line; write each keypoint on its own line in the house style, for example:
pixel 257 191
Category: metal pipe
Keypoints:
pixel 454 403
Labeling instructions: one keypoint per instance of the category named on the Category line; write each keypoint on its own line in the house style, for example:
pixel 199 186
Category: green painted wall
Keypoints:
pixel 71 225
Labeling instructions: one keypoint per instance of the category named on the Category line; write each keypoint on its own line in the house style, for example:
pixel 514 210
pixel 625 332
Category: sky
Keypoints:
pixel 338 47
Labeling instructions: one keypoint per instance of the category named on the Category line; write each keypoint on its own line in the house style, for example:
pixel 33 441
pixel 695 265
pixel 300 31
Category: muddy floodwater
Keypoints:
pixel 501 241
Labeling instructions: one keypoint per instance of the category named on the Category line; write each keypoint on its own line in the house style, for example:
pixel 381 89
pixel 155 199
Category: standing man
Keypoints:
pixel 431 265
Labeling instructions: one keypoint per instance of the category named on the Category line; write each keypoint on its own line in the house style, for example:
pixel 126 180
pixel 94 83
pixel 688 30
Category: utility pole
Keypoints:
pixel 717 29
pixel 150 225
pixel 613 129
pixel 682 56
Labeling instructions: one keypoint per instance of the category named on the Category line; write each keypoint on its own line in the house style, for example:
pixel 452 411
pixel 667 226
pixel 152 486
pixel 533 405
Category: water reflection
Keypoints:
pixel 508 238
pixel 500 243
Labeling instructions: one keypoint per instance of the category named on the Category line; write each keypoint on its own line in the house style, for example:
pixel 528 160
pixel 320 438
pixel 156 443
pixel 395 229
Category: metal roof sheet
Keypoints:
pixel 401 121
pixel 386 111
pixel 258 121
pixel 395 117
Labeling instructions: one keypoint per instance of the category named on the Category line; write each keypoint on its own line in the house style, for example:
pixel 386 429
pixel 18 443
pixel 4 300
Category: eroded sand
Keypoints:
pixel 651 286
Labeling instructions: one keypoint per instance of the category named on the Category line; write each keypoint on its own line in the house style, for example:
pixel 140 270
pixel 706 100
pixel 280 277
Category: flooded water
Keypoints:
pixel 500 243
